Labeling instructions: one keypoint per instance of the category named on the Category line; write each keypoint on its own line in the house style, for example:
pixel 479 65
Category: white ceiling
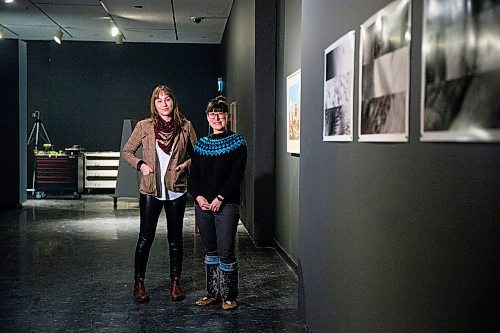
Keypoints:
pixel 87 20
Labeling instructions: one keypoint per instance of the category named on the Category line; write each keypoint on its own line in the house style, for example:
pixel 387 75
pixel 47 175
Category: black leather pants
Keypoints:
pixel 150 209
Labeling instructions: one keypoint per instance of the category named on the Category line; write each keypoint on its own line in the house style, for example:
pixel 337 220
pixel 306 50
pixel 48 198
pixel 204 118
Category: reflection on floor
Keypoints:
pixel 67 266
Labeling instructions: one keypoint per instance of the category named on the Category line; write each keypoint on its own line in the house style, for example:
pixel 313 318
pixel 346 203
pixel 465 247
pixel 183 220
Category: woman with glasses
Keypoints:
pixel 217 168
pixel 167 139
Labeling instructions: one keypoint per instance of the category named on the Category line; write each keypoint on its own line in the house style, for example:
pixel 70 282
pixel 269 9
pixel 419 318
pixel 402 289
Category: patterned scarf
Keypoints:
pixel 165 133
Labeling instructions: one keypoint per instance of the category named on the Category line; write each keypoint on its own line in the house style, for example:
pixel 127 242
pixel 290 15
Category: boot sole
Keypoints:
pixel 207 302
pixel 176 299
pixel 143 300
pixel 229 307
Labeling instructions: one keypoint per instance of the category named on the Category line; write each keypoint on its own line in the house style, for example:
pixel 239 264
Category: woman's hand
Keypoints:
pixel 146 169
pixel 182 167
pixel 215 205
pixel 204 205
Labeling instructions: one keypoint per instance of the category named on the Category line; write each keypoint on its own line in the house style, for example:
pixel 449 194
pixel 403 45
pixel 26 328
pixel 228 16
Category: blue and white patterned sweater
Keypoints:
pixel 218 166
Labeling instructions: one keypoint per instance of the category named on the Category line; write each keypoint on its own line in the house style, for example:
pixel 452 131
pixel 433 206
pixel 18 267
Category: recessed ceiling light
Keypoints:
pixel 8 1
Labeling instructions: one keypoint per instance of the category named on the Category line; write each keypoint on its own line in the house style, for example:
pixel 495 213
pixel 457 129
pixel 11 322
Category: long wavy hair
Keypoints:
pixel 178 116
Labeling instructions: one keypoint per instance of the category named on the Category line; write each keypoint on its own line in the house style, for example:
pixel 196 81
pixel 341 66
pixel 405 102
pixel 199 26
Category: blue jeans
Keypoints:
pixel 218 231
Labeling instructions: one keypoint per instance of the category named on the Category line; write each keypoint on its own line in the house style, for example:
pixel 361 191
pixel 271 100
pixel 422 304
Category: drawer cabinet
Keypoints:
pixel 58 173
pixel 101 169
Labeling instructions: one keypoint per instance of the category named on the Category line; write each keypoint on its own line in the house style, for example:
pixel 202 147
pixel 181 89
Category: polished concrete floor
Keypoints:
pixel 67 266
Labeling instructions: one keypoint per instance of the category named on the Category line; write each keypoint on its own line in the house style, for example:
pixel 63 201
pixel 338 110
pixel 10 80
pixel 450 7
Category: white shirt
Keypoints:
pixel 164 159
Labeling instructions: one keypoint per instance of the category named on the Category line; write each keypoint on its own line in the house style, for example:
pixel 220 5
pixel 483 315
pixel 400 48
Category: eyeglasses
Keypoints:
pixel 221 115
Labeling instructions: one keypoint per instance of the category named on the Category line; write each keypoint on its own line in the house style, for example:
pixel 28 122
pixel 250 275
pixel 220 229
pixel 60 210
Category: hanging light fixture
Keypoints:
pixel 119 39
pixel 114 30
pixel 58 36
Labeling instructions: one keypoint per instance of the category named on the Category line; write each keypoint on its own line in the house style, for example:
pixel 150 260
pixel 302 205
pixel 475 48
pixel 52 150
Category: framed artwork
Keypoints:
pixel 293 113
pixel 338 89
pixel 384 67
pixel 233 120
pixel 460 71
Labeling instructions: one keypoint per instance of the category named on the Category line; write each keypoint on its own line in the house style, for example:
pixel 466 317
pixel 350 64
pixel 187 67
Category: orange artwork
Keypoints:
pixel 293 112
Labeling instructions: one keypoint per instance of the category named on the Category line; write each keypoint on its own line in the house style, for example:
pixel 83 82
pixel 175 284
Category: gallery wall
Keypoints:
pixel 84 90
pixel 249 56
pixel 12 136
pixel 238 45
pixel 287 165
pixel 23 120
pixel 394 237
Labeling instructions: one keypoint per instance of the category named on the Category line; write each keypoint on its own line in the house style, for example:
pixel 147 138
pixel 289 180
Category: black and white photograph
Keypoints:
pixel 384 74
pixel 338 89
pixel 461 71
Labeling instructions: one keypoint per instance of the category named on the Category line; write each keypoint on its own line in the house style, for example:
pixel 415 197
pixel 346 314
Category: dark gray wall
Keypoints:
pixel 265 119
pixel 23 120
pixel 393 237
pixel 12 73
pixel 84 90
pixel 238 45
pixel 287 166
pixel 249 53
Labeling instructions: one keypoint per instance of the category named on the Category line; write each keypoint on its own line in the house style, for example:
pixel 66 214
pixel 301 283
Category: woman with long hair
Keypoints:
pixel 167 139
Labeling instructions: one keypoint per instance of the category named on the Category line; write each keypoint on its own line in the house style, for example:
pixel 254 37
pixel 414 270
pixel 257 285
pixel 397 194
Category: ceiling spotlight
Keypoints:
pixel 119 39
pixel 8 1
pixel 114 31
pixel 58 36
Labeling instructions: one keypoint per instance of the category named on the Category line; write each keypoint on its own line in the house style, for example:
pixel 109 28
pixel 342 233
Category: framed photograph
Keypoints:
pixel 338 89
pixel 293 113
pixel 460 71
pixel 384 69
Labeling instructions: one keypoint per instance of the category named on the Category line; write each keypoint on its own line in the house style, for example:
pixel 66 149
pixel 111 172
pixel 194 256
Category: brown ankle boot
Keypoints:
pixel 176 293
pixel 140 294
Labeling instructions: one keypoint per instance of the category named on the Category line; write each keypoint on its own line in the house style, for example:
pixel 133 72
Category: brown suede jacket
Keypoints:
pixel 144 135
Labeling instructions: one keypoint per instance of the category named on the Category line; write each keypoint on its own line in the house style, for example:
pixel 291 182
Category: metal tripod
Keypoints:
pixel 36 130
pixel 34 135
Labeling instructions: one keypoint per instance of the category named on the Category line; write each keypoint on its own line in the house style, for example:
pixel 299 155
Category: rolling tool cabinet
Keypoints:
pixel 58 173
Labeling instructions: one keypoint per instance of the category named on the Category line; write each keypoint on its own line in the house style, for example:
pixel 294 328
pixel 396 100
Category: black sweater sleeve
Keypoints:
pixel 194 175
pixel 233 181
